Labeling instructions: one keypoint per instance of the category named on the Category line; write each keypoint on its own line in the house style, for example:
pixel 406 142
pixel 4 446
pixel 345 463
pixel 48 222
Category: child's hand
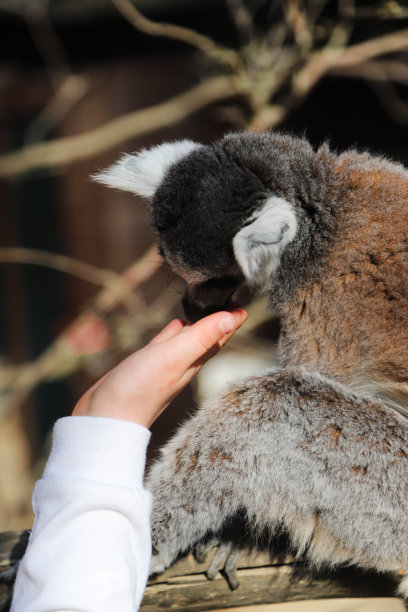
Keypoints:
pixel 142 385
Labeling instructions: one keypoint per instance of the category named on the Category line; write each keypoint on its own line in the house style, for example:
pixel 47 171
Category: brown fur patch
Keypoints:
pixel 354 325
pixel 335 433
pixel 233 400
pixel 219 457
pixel 359 469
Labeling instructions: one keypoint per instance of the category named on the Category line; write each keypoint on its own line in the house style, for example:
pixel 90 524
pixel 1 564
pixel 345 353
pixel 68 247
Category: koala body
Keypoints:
pixel 319 447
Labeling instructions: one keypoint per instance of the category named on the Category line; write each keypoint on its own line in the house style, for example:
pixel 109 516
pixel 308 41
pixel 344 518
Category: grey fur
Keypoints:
pixel 335 479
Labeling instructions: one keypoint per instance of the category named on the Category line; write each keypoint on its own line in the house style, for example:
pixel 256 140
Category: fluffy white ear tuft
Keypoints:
pixel 258 246
pixel 142 173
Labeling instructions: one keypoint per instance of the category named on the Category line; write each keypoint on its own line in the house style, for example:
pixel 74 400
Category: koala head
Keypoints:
pixel 224 214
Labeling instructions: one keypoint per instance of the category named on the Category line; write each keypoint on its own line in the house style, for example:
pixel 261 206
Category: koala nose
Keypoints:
pixel 196 308
pixel 213 295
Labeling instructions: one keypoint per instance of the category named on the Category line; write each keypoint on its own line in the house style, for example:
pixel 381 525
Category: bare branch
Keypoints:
pixel 71 90
pixel 375 71
pixel 297 20
pixel 346 9
pixel 87 272
pixel 385 10
pixel 205 44
pixel 62 263
pixel 64 151
pixel 261 83
pixel 315 9
pixel 390 43
pixel 320 62
pixel 268 117
pixel 243 21
pixel 58 360
pixel 138 273
pixel 49 45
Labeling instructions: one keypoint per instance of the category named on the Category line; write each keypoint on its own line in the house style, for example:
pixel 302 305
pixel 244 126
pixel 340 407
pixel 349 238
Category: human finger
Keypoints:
pixel 211 331
pixel 172 329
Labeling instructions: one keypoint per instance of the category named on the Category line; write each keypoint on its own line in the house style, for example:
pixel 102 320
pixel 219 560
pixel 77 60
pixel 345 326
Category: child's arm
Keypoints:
pixel 90 545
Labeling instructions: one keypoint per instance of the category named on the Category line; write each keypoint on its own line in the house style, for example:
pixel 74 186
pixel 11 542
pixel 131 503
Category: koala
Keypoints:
pixel 317 448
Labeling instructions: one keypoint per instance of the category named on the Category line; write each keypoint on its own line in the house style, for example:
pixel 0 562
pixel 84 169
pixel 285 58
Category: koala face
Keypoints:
pixel 220 219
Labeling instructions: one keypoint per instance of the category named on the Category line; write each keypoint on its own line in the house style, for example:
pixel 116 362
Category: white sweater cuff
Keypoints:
pixel 105 450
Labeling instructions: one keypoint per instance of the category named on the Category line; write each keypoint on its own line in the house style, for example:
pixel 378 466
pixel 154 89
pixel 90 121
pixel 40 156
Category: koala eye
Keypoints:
pixel 161 251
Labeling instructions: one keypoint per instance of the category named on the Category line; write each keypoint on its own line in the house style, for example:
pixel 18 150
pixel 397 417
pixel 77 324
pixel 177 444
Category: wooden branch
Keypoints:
pixel 375 71
pixel 296 16
pixel 57 360
pixel 71 90
pixel 268 117
pixel 336 57
pixel 136 274
pixel 59 153
pixel 64 151
pixel 382 45
pixel 384 10
pixel 62 263
pixel 320 62
pixel 243 21
pixel 264 578
pixel 205 44
pixel 184 587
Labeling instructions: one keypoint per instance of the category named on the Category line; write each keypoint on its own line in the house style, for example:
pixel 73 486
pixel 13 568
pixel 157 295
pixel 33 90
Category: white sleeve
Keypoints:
pixel 90 546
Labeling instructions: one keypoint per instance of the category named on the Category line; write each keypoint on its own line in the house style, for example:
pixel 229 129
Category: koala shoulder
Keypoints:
pixel 373 173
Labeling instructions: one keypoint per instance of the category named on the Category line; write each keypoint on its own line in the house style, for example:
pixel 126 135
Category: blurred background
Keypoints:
pixel 82 81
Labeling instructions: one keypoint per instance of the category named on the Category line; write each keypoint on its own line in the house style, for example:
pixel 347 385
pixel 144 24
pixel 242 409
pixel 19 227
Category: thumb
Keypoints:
pixel 209 333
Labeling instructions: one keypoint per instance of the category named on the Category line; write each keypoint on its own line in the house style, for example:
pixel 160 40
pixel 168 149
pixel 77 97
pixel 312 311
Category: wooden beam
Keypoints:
pixel 264 579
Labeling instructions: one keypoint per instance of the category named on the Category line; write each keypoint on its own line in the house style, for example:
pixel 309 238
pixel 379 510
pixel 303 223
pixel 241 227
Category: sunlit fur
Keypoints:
pixel 142 173
pixel 319 447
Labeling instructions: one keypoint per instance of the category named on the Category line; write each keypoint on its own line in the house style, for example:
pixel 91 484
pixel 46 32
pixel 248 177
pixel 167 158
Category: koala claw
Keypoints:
pixel 230 568
pixel 225 559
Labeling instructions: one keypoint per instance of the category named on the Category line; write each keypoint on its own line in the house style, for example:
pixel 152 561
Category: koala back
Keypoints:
pixel 351 323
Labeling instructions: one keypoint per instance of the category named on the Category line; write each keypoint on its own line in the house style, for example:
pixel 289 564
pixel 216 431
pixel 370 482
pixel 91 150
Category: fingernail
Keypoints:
pixel 227 324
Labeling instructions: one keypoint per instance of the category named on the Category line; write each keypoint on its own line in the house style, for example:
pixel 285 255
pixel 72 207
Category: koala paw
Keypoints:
pixel 224 560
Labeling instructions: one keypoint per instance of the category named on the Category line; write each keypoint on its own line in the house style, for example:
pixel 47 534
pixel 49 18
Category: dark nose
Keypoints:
pixel 196 308
pixel 213 295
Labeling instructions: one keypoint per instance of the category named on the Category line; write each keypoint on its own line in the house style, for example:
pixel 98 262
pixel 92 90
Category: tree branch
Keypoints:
pixel 72 89
pixel 205 44
pixel 321 62
pixel 384 10
pixel 64 151
pixel 243 21
pixel 361 52
pixel 375 71
pixel 91 274
pixel 57 360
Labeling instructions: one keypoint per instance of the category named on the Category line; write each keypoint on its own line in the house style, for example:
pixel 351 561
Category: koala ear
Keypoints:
pixel 259 244
pixel 142 173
